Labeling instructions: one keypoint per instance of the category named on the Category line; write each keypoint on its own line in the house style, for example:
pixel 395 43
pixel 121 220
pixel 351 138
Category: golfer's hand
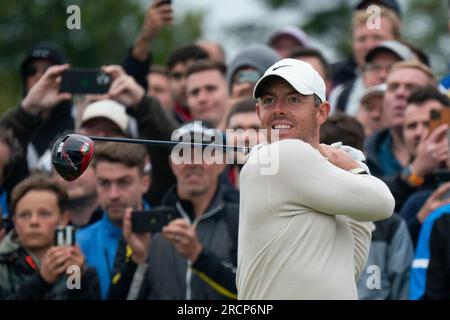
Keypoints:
pixel 338 157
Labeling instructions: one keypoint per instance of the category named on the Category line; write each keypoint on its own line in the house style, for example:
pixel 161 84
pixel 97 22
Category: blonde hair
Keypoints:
pixel 361 17
pixel 415 64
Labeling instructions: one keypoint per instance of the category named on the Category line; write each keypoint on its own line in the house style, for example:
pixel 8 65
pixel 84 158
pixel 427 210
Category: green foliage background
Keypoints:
pixel 109 28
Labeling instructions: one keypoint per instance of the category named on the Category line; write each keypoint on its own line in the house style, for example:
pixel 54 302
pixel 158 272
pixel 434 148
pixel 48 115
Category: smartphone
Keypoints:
pixel 64 236
pixel 152 220
pixel 85 81
pixel 438 117
pixel 251 76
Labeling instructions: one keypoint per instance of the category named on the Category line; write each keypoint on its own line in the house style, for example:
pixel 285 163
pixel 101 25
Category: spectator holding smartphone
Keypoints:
pixel 194 257
pixel 43 114
pixel 31 267
pixel 121 182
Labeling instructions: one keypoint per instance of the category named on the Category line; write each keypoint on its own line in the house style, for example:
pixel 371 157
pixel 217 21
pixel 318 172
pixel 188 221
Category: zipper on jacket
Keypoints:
pixel 194 223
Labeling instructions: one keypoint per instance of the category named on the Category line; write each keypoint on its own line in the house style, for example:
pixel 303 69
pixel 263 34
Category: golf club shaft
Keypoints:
pixel 169 143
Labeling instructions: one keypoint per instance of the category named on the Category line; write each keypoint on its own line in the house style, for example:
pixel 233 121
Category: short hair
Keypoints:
pixel 205 65
pixel 414 64
pixel 361 16
pixel 343 128
pixel 184 54
pixel 40 182
pixel 244 105
pixel 159 70
pixel 423 94
pixel 312 52
pixel 128 154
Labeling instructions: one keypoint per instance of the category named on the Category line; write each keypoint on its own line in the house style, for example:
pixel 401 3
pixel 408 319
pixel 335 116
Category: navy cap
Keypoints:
pixel 390 4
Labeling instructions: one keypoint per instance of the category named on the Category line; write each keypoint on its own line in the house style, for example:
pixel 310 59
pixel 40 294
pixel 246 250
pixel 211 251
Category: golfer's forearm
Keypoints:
pixel 312 181
pixel 367 199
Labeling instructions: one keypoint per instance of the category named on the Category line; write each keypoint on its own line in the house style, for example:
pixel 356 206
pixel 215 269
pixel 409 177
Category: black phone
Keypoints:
pixel 152 220
pixel 85 81
pixel 64 236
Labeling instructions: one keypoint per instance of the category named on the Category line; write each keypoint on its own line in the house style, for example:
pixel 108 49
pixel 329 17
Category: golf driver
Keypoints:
pixel 72 153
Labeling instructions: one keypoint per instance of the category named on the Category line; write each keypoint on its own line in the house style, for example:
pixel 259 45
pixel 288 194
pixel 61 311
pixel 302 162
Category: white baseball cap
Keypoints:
pixel 393 46
pixel 372 91
pixel 299 74
pixel 108 109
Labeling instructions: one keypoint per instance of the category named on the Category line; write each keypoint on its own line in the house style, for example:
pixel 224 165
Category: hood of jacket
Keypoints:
pixel 10 243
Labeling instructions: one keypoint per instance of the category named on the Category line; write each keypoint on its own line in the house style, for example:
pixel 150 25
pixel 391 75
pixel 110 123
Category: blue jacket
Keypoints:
pixel 420 263
pixel 4 204
pixel 98 242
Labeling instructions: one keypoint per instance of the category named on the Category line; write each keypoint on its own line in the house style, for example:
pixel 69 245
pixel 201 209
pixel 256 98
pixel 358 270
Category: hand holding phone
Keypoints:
pixel 152 220
pixel 439 117
pixel 64 236
pixel 85 81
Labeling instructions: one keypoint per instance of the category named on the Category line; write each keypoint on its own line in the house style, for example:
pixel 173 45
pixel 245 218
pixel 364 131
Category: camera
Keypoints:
pixel 65 236
pixel 85 81
pixel 152 220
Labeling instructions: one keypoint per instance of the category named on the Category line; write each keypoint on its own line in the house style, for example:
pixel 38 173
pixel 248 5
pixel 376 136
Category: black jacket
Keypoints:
pixel 28 128
pixel 19 279
pixel 155 123
pixel 137 69
pixel 344 71
pixel 438 274
pixel 212 276
pixel 400 189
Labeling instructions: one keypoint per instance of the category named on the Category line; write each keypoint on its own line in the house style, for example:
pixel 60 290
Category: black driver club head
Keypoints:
pixel 71 155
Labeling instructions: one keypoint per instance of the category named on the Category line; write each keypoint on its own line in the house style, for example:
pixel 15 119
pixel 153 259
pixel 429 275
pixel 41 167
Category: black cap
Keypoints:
pixel 199 131
pixel 390 4
pixel 44 50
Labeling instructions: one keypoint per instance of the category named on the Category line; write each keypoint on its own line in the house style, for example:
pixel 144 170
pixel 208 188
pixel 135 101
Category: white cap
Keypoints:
pixel 299 74
pixel 372 91
pixel 108 109
pixel 393 46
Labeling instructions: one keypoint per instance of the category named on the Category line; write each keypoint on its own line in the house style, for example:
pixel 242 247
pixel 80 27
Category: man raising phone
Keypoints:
pixel 194 257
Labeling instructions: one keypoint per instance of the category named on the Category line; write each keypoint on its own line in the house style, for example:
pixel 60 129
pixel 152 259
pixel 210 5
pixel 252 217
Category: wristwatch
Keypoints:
pixel 411 177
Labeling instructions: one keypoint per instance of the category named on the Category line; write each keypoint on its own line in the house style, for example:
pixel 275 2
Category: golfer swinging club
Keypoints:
pixel 304 230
